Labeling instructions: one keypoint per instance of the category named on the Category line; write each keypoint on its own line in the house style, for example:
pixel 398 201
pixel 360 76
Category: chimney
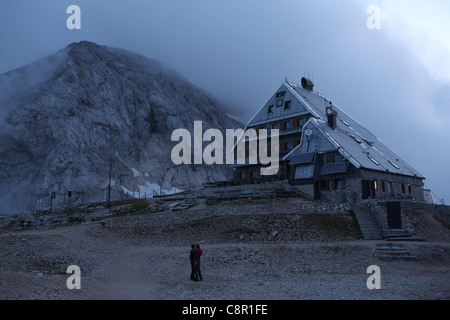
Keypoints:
pixel 331 116
pixel 307 84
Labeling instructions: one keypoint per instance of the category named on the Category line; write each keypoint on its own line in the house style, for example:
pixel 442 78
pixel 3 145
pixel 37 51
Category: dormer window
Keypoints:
pixel 288 124
pixel 287 104
pixel 281 94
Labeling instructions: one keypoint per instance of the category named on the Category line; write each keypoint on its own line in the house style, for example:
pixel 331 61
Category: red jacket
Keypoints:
pixel 198 254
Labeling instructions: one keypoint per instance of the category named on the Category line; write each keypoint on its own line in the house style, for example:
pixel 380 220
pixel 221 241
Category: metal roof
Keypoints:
pixel 332 168
pixel 302 158
pixel 350 138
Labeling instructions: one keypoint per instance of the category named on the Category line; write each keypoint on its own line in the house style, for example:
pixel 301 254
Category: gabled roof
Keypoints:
pixel 298 107
pixel 350 138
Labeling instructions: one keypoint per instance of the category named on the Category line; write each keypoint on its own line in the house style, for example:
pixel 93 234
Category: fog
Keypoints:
pixel 394 80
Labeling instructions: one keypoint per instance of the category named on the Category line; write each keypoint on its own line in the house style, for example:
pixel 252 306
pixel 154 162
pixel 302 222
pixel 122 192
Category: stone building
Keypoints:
pixel 326 153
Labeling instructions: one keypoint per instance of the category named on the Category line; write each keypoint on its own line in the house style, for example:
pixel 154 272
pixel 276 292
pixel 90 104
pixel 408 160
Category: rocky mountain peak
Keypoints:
pixel 88 107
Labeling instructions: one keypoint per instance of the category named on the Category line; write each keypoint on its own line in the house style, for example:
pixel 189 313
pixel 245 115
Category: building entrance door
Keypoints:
pixel 394 214
pixel 316 190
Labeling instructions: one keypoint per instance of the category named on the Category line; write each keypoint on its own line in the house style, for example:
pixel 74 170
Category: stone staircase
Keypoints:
pixel 399 235
pixel 393 252
pixel 181 205
pixel 366 222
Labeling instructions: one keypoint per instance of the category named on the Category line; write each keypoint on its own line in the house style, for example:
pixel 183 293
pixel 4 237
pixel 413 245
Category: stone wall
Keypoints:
pixel 352 192
pixel 379 212
pixel 323 207
pixel 398 191
pixel 442 211
pixel 408 207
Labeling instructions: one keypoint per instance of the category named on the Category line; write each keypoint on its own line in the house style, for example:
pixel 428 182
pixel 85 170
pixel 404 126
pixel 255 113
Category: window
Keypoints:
pixel 393 164
pixel 288 124
pixel 289 146
pixel 301 122
pixel 338 184
pixel 280 102
pixel 345 123
pixel 276 126
pixel 373 160
pixel 383 189
pixel 287 104
pixel 355 138
pixel 328 158
pixel 270 109
pixel 403 188
pixel 409 189
pixel 281 94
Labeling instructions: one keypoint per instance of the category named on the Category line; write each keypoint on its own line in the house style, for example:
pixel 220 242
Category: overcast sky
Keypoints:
pixel 394 80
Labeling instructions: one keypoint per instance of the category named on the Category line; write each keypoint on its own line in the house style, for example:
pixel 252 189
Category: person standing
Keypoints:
pixel 194 276
pixel 197 256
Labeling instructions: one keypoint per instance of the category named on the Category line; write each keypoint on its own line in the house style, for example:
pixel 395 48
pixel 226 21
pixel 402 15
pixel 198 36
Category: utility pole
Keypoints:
pixel 109 184
pixel 51 202
pixel 64 196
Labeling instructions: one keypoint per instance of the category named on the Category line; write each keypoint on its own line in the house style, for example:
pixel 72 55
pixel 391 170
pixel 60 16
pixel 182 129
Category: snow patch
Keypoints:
pixel 150 189
pixel 136 173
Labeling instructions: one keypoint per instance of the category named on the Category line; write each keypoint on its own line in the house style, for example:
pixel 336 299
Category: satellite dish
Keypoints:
pixel 308 132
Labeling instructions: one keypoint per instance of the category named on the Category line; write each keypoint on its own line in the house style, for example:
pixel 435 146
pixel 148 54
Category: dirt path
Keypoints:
pixel 33 265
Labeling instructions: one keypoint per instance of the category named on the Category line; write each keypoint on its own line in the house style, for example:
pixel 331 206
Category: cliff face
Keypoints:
pixel 67 117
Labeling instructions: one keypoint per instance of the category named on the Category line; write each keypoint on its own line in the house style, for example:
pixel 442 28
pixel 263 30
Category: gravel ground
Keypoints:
pixel 251 251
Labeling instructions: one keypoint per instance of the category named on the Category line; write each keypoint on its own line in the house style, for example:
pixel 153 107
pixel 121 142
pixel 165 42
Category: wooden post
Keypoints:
pixel 51 202
pixel 108 205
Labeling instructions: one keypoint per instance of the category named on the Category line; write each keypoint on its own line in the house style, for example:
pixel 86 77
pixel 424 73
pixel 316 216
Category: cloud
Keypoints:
pixel 424 28
pixel 394 81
